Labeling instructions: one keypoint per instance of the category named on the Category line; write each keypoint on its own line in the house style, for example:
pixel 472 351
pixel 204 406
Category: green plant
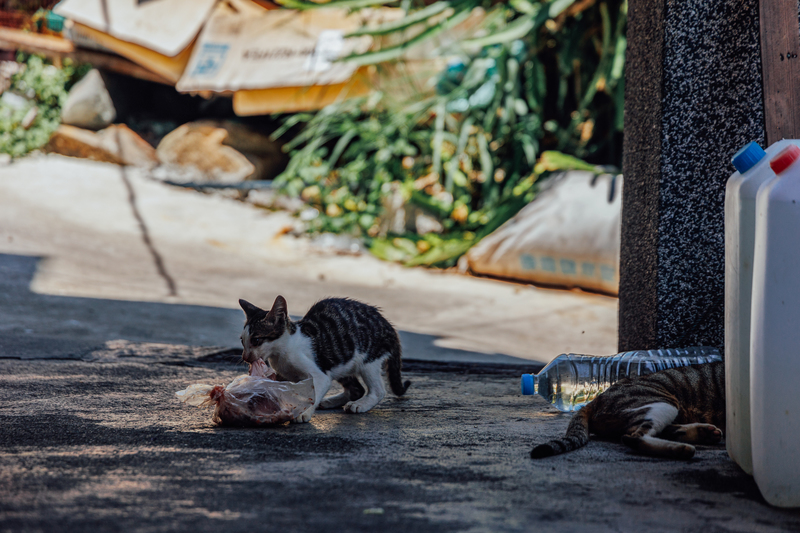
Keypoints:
pixel 28 118
pixel 544 76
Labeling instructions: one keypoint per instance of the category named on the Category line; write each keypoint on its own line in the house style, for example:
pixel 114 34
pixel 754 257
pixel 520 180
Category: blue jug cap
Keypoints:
pixel 747 157
pixel 527 384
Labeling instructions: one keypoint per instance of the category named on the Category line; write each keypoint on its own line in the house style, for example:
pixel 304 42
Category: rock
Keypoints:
pixel 128 146
pixel 117 144
pixel 78 142
pixel 88 104
pixel 265 154
pixel 196 153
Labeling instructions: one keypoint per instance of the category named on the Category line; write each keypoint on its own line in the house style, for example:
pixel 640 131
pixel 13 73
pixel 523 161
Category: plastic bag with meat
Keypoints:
pixel 252 400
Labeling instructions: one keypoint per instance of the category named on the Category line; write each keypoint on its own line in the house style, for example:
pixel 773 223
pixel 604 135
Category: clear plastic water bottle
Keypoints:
pixel 571 381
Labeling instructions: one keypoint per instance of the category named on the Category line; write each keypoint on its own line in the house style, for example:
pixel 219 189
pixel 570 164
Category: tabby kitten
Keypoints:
pixel 338 339
pixel 660 414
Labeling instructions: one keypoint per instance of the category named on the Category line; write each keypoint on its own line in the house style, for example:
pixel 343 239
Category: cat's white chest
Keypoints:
pixel 292 356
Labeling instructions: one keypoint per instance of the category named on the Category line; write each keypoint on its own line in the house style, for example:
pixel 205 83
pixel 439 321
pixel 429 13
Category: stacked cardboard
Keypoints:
pixel 155 35
pixel 277 60
pixel 270 60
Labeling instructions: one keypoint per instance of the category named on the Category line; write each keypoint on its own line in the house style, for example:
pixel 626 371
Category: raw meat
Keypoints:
pixel 252 400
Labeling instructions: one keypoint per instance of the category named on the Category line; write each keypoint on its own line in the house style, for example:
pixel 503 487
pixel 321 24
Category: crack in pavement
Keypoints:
pixel 172 288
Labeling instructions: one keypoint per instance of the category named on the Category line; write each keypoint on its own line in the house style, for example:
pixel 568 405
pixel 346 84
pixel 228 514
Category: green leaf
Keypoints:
pixel 554 161
pixel 517 29
pixel 343 4
pixel 524 6
pixel 438 138
pixel 396 51
pixel 557 7
pixel 341 144
pixel 423 15
pixel 444 254
pixel 487 167
pixel 619 58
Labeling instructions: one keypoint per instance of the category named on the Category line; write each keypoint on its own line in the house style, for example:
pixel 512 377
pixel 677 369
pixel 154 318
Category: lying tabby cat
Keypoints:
pixel 660 414
pixel 338 339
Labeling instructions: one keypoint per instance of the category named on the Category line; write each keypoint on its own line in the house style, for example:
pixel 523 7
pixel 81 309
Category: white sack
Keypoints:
pixel 569 236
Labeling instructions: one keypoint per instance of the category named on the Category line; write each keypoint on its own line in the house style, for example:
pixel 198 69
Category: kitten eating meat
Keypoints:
pixel 338 339
pixel 660 414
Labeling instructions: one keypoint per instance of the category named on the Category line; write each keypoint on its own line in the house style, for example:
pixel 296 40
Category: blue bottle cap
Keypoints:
pixel 527 384
pixel 747 157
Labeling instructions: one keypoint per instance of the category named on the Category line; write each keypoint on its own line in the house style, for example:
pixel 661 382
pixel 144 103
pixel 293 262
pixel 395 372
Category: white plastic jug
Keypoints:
pixel 775 335
pixel 752 171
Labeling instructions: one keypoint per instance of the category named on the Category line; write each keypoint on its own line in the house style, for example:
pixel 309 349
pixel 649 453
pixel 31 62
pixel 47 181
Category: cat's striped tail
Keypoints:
pixel 394 374
pixel 577 436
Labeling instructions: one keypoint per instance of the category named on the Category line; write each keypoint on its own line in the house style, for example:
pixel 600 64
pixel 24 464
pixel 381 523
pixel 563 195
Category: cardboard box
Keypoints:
pixel 164 26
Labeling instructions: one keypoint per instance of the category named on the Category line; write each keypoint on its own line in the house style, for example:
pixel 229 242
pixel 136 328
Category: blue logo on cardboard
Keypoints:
pixel 211 58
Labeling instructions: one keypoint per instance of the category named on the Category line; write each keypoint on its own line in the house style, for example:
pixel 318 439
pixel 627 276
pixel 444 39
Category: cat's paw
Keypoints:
pixel 327 404
pixel 305 417
pixel 355 407
pixel 707 434
pixel 334 401
pixel 683 451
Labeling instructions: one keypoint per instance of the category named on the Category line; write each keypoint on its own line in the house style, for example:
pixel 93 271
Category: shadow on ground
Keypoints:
pixel 36 326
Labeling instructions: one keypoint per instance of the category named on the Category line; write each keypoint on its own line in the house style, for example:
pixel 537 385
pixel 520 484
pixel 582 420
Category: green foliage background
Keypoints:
pixel 542 82
pixel 45 87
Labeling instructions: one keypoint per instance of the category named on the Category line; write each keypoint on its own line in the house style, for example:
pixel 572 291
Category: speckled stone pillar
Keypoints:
pixel 693 97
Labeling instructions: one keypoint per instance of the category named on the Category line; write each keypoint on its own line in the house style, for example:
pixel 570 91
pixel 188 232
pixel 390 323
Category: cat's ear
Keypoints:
pixel 249 309
pixel 280 307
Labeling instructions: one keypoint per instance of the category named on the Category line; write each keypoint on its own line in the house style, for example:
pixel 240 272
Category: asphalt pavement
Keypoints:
pixel 102 444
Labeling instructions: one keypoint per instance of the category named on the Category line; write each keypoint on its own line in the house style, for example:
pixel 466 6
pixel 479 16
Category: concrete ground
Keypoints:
pixel 102 253
pixel 117 291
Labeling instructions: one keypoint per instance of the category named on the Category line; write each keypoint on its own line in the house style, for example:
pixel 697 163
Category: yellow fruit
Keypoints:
pixel 310 193
pixel 333 210
pixel 460 213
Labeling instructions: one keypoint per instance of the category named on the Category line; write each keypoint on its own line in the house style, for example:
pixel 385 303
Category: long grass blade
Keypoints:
pixel 396 51
pixel 343 4
pixel 517 29
pixel 423 15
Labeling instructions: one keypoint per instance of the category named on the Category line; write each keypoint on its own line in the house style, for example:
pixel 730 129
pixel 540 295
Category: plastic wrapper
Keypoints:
pixel 252 400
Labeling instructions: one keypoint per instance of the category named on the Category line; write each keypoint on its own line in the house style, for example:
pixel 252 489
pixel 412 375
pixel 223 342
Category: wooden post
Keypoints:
pixel 780 57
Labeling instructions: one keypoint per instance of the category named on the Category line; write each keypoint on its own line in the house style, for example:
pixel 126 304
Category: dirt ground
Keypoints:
pixel 99 442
